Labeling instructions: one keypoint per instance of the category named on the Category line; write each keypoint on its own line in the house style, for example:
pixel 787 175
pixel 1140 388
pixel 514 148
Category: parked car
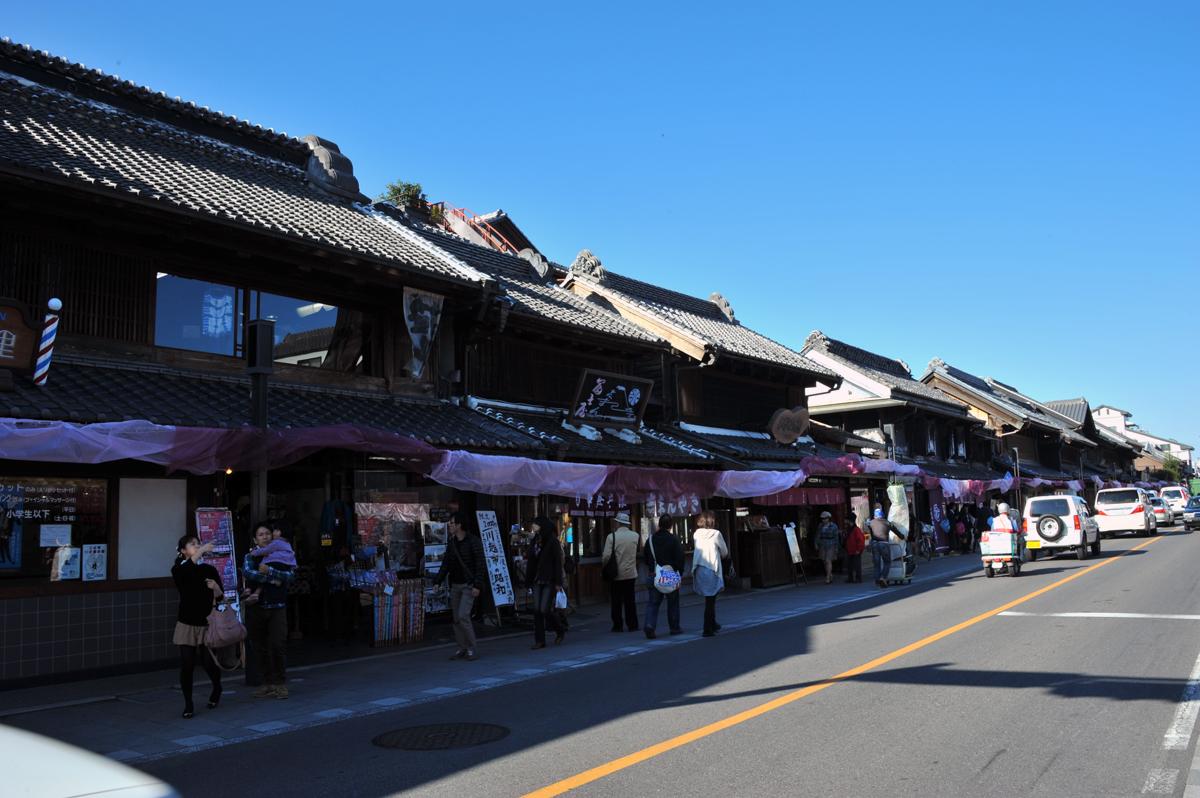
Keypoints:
pixel 36 765
pixel 1176 497
pixel 1163 514
pixel 1191 514
pixel 1121 510
pixel 1059 522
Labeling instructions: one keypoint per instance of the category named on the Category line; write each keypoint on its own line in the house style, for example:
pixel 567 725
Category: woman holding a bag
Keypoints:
pixel 199 587
pixel 544 578
pixel 664 553
pixel 708 570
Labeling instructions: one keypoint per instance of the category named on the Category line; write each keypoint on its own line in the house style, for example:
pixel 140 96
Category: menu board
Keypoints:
pixel 789 532
pixel 610 400
pixel 493 552
pixel 215 525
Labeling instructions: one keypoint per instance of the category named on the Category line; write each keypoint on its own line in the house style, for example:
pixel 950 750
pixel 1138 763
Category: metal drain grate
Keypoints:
pixel 441 736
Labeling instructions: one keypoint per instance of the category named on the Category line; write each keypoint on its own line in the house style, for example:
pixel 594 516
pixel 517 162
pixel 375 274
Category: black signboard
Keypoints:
pixel 610 400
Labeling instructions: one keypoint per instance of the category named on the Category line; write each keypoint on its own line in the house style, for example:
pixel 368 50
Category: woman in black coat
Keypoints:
pixel 199 587
pixel 544 577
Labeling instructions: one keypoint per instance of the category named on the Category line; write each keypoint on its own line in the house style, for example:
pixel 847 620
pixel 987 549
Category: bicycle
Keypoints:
pixel 925 544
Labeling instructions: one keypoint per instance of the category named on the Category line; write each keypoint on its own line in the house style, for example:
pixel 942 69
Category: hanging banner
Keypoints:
pixel 422 312
pixel 215 525
pixel 493 552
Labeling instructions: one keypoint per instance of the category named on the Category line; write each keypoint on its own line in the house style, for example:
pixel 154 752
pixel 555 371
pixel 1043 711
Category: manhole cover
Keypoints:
pixel 440 736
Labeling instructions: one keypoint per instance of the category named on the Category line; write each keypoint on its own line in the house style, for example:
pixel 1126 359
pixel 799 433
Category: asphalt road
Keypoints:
pixel 933 694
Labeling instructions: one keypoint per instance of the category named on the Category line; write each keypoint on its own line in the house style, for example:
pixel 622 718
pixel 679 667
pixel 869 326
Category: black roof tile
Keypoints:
pixel 84 390
pixel 893 373
pixel 112 150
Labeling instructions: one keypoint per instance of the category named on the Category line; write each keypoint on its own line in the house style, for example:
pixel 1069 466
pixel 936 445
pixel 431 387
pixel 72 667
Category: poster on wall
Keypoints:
pixel 65 566
pixel 493 553
pixel 215 525
pixel 437 596
pixel 71 508
pixel 95 562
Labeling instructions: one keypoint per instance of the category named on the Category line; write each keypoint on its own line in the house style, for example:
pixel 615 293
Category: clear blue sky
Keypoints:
pixel 1010 186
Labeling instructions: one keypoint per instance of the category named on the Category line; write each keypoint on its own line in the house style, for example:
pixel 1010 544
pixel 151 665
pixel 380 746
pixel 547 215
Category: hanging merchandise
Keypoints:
pixel 898 511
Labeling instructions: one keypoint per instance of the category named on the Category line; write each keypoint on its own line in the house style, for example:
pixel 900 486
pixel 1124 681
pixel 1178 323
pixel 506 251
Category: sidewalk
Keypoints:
pixel 137 718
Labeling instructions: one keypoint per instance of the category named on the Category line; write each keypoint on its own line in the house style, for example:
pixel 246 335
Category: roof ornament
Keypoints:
pixel 936 363
pixel 332 171
pixel 536 260
pixel 588 265
pixel 723 304
pixel 815 338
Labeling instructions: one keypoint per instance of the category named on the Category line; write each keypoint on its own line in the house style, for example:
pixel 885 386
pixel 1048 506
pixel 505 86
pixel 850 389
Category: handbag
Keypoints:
pixel 224 627
pixel 610 570
pixel 666 578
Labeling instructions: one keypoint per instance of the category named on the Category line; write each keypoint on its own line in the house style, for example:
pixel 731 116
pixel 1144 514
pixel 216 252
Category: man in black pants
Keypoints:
pixel 623 545
pixel 266 618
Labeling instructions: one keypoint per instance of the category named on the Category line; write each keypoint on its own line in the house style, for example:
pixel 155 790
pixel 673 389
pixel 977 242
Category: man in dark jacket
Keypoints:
pixel 465 568
pixel 663 549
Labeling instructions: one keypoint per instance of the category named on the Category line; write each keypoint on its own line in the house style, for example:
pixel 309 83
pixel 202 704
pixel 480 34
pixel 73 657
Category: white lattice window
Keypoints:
pixel 8 345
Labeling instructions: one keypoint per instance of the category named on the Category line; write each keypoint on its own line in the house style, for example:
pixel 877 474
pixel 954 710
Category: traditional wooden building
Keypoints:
pixel 1113 458
pixel 165 228
pixel 907 421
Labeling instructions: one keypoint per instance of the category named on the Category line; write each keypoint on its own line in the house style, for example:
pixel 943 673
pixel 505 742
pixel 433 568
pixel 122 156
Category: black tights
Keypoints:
pixel 187 664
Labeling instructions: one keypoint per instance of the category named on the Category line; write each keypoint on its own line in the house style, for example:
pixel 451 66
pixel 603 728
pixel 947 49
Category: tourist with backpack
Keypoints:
pixel 664 556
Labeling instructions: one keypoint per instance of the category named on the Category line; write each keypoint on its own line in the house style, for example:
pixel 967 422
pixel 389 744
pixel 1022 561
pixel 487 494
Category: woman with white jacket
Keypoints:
pixel 707 569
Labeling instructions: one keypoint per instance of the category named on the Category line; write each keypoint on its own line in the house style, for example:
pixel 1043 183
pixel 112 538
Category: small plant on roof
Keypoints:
pixel 405 195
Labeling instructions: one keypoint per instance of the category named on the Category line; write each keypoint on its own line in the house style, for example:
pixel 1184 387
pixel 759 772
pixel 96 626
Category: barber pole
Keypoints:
pixel 46 348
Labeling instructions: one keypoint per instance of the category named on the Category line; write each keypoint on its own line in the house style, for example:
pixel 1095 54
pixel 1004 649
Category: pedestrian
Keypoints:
pixel 663 549
pixel 266 619
pixel 622 545
pixel 465 568
pixel 199 586
pixel 855 545
pixel 828 539
pixel 708 567
pixel 544 578
pixel 881 546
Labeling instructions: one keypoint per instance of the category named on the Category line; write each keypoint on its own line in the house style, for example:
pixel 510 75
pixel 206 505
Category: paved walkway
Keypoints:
pixel 137 718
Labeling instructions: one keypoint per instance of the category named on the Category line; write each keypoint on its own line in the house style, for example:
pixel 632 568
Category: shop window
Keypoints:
pixel 303 328
pixel 196 315
pixel 54 529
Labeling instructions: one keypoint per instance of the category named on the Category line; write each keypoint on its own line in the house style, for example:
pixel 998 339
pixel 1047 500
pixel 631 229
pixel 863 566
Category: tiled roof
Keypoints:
pixel 98 81
pixel 547 427
pixel 895 374
pixel 84 390
pixel 1010 400
pixel 756 450
pixel 1074 409
pixel 532 295
pixel 301 343
pixel 137 158
pixel 705 320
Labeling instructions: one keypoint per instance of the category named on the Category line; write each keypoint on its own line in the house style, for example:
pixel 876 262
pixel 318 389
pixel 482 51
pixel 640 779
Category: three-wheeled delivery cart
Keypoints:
pixel 1001 550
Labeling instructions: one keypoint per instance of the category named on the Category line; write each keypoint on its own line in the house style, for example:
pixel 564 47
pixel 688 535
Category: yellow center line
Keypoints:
pixel 629 760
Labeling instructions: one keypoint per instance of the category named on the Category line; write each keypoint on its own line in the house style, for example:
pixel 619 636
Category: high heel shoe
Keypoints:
pixel 215 698
pixel 189 713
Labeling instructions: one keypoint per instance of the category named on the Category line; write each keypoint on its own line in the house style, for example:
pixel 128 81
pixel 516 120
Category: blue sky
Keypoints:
pixel 1011 187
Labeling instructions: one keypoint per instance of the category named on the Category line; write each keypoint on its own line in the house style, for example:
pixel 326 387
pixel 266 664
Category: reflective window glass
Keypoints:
pixel 196 315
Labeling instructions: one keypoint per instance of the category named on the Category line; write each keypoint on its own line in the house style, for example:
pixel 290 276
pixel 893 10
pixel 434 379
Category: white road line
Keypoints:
pixel 1134 615
pixel 1160 782
pixel 1179 735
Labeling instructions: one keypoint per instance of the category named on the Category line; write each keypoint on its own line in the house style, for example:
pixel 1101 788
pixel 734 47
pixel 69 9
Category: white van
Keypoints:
pixel 1121 510
pixel 1059 522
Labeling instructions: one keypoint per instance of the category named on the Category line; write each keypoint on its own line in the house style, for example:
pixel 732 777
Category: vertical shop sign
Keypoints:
pixel 493 552
pixel 215 525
